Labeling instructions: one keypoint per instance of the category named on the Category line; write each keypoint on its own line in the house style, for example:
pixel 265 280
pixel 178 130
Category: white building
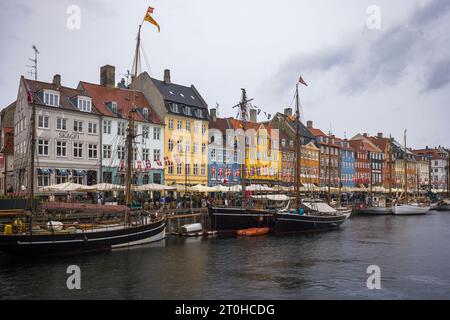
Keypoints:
pixel 67 134
pixel 148 153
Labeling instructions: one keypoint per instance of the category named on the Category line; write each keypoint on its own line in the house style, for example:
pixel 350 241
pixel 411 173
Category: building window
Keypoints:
pixel 187 111
pixel 121 128
pixel 195 150
pixel 213 155
pixel 156 133
pixel 188 126
pixel 188 146
pixel 43 147
pixel 180 146
pixel 188 169
pixel 43 180
pixel 78 126
pixel 145 154
pixel 61 148
pixel 145 179
pixel 170 168
pixel 77 150
pixel 43 122
pixel 170 145
pixel 203 170
pixel 170 124
pixel 84 105
pixel 107 151
pixel 61 179
pixel 121 152
pixel 93 151
pixel 203 148
pixel 156 155
pixel 179 125
pixel 51 99
pixel 145 130
pixel 107 127
pixel 195 169
pixel 203 128
pixel 92 128
pixel 114 107
pixel 61 124
pixel 179 169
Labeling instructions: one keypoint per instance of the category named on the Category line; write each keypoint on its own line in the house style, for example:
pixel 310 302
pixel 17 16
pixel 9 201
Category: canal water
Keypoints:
pixel 412 253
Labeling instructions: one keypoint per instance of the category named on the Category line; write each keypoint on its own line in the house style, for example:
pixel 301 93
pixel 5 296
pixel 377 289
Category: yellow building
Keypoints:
pixel 263 154
pixel 186 118
pixel 310 164
pixel 186 151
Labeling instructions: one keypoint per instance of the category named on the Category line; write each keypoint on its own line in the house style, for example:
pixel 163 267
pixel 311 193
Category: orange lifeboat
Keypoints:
pixel 253 232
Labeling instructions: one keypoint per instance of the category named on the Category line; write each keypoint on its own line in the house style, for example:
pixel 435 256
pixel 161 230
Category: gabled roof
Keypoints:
pixel 220 124
pixel 180 94
pixel 381 143
pixel 65 94
pixel 102 95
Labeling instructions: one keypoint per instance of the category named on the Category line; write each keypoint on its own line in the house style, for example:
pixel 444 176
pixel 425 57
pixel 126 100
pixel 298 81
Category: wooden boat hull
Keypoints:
pixel 230 220
pixel 75 243
pixel 293 223
pixel 409 210
pixel 375 211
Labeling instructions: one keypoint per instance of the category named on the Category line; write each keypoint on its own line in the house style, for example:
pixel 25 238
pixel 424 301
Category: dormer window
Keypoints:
pixel 199 113
pixel 145 113
pixel 114 107
pixel 84 104
pixel 51 98
pixel 175 108
pixel 187 111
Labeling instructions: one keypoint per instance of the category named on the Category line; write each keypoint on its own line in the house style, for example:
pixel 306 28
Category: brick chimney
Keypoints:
pixel 108 76
pixel 57 80
pixel 213 114
pixel 253 115
pixel 288 112
pixel 309 124
pixel 167 76
pixel 365 135
pixel 380 135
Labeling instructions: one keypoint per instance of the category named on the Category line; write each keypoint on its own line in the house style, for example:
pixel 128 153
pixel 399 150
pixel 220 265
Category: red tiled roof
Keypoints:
pixel 102 95
pixel 65 94
pixel 381 143
pixel 220 124
pixel 317 132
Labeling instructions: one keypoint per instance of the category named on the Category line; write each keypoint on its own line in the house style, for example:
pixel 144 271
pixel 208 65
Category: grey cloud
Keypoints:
pixel 380 58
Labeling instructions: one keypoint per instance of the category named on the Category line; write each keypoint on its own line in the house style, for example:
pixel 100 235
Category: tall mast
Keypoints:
pixel 448 173
pixel 298 151
pixel 131 133
pixel 371 176
pixel 329 167
pixel 390 166
pixel 243 106
pixel 406 171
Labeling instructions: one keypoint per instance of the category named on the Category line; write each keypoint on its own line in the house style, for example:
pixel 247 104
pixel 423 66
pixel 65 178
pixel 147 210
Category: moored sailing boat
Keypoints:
pixel 409 208
pixel 56 238
pixel 232 219
pixel 308 215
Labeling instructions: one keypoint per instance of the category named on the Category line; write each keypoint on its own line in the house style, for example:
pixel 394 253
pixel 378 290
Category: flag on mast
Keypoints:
pixel 148 17
pixel 302 81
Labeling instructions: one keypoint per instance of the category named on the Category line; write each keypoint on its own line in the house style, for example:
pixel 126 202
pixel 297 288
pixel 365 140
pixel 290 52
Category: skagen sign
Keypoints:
pixel 69 136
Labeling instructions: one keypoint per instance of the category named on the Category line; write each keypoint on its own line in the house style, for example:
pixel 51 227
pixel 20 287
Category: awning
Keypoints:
pixel 44 171
pixel 79 173
pixel 63 172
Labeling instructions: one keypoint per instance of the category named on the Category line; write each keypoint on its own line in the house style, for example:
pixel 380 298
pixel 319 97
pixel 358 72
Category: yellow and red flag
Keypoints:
pixel 148 17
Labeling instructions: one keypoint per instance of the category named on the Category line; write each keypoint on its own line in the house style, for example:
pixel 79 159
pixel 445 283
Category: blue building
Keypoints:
pixel 347 165
pixel 223 162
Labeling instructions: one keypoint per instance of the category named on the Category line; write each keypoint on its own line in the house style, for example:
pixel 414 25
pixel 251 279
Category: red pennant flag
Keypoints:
pixel 302 81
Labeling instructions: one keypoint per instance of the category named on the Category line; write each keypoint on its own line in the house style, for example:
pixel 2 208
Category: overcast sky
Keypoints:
pixel 360 79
